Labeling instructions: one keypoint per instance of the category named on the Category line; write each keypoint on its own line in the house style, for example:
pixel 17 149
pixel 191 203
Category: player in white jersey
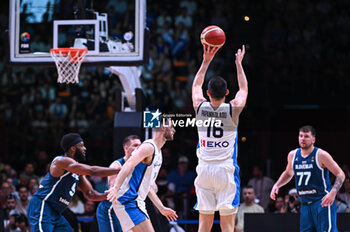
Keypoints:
pixel 135 182
pixel 217 183
pixel 106 218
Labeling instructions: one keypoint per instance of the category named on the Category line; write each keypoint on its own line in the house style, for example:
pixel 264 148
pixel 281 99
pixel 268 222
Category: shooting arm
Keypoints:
pixel 197 93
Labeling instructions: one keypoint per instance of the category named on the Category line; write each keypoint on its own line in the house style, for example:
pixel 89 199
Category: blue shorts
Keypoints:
pixel 130 214
pixel 106 218
pixel 314 217
pixel 43 218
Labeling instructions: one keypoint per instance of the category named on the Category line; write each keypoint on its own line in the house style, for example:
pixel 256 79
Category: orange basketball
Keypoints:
pixel 213 36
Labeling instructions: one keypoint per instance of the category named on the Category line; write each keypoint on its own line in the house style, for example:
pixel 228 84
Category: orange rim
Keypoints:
pixel 65 51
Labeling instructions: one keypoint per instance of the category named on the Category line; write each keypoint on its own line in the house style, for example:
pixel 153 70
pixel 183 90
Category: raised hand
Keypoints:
pixel 240 55
pixel 209 53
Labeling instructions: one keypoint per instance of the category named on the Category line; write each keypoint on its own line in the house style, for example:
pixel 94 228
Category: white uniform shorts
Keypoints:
pixel 217 187
pixel 130 214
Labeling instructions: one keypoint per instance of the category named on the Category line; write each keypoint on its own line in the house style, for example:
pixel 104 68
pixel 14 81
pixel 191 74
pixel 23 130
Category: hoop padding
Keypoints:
pixel 68 61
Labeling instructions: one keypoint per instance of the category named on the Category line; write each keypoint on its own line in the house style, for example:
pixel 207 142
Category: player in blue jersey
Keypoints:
pixel 135 182
pixel 106 218
pixel 218 183
pixel 311 166
pixel 56 190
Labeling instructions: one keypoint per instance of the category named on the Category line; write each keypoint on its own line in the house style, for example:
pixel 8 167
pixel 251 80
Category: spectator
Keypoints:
pixel 345 196
pixel 10 209
pixel 179 96
pixel 39 124
pixel 29 171
pixel 23 180
pixel 23 202
pixel 99 183
pixel 58 109
pixel 167 33
pixel 180 41
pixel 76 205
pixel 33 185
pixel 88 215
pixel 17 223
pixel 248 206
pixel 184 18
pixel 162 182
pixel 4 192
pixel 165 195
pixel 190 5
pixel 48 93
pixel 292 201
pixel 162 18
pixel 9 171
pixel 39 106
pixel 279 205
pixel 181 178
pixel 262 186
pixel 341 206
pixel 180 184
pixel 13 190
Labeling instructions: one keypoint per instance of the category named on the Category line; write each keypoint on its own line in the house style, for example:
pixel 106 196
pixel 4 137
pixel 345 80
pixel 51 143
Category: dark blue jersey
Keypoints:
pixel 58 191
pixel 311 180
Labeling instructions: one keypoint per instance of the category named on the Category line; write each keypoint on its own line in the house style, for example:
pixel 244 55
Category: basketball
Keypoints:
pixel 213 36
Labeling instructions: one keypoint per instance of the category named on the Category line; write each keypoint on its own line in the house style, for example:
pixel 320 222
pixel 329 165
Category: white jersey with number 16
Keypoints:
pixel 216 143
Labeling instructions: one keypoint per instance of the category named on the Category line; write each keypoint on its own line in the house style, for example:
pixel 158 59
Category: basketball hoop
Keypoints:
pixel 68 61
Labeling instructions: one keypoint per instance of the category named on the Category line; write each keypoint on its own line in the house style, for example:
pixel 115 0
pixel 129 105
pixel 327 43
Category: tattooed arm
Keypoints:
pixel 326 161
pixel 338 182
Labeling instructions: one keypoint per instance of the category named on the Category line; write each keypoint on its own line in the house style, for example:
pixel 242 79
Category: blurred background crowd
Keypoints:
pixel 296 64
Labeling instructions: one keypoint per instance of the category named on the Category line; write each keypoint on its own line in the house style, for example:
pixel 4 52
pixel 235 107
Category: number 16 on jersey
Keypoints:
pixel 217 132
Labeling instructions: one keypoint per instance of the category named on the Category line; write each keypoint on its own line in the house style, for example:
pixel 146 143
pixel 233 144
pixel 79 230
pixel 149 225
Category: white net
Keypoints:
pixel 68 63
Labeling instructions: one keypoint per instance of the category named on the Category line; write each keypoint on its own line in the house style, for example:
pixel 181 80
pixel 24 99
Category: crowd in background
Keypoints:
pixel 175 189
pixel 285 56
pixel 296 52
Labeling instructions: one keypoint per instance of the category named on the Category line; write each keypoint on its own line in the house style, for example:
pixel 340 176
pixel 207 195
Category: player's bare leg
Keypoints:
pixel 205 222
pixel 145 226
pixel 227 223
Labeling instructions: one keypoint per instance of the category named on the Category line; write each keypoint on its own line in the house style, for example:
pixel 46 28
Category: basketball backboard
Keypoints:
pixel 113 31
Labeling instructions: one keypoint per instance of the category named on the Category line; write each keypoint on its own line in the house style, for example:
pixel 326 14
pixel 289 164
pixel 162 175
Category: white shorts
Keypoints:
pixel 130 214
pixel 217 187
